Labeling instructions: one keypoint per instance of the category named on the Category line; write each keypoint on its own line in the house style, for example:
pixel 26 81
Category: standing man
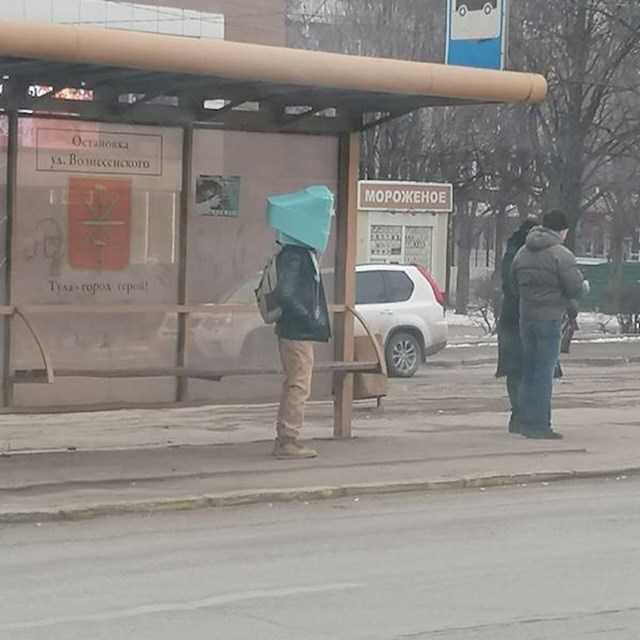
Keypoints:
pixel 546 275
pixel 304 320
pixel 509 344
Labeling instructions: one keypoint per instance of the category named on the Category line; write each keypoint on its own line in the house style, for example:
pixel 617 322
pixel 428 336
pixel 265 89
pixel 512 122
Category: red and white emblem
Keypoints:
pixel 99 224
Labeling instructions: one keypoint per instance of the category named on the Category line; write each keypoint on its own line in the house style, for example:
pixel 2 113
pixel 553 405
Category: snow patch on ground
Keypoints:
pixel 492 342
pixel 607 324
pixel 471 330
pixel 457 320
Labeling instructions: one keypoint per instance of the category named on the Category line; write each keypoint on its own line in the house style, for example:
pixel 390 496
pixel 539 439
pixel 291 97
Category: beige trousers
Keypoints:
pixel 297 362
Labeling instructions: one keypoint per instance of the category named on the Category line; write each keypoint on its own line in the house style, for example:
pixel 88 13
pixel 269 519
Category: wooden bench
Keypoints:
pixel 48 374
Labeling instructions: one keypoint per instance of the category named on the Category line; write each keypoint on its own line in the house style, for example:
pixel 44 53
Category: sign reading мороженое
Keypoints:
pixel 405 196
pixel 70 151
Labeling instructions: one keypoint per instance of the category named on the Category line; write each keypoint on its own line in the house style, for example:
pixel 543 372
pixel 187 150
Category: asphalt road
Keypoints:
pixel 527 563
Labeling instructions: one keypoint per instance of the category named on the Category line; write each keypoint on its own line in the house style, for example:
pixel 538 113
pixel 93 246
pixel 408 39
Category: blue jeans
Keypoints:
pixel 514 389
pixel 540 353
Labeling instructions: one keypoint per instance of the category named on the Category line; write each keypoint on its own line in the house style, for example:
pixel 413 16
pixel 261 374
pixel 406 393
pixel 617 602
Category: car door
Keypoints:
pixel 398 291
pixel 371 299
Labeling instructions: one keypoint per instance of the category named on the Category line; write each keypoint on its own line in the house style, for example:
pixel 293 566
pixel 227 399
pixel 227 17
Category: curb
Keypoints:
pixel 315 494
pixel 459 364
pixel 586 362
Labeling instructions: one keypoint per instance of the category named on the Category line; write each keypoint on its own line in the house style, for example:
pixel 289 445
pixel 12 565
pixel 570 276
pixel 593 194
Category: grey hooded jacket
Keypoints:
pixel 547 277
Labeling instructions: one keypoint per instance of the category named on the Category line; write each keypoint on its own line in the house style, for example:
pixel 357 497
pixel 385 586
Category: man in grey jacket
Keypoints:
pixel 547 277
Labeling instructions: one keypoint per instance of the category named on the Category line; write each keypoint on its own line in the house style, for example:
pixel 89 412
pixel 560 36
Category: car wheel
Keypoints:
pixel 488 8
pixel 463 11
pixel 403 355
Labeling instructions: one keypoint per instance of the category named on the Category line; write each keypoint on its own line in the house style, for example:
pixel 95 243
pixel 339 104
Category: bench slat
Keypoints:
pixel 40 375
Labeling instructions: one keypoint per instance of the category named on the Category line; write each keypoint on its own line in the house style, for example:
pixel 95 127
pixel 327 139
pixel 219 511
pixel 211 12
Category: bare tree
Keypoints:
pixel 586 48
pixel 383 28
pixel 622 202
pixel 573 152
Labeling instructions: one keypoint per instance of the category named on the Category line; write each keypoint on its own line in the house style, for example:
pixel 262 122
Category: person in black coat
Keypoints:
pixel 509 344
pixel 304 320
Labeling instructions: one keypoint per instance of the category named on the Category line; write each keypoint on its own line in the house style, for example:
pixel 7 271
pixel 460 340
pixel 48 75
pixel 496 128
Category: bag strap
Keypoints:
pixel 316 264
pixel 317 277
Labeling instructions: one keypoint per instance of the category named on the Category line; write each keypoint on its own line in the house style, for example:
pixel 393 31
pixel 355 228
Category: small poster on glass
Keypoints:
pixel 218 196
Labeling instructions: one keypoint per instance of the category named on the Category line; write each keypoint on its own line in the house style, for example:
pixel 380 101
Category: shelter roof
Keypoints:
pixel 141 77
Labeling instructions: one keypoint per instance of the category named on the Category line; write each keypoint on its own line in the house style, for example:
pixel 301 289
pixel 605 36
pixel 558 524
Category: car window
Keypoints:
pixel 399 286
pixel 370 287
pixel 243 295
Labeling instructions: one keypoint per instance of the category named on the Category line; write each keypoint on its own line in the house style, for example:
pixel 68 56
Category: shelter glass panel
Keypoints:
pixel 4 123
pixel 229 242
pixel 97 222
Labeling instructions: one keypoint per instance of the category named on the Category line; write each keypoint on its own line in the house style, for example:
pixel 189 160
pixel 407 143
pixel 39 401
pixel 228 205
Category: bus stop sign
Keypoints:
pixel 476 33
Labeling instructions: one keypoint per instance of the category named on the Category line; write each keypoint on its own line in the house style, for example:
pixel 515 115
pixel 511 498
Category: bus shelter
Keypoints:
pixel 137 170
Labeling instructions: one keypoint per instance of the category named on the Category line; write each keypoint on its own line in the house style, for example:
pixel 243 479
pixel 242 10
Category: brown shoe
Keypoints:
pixel 292 451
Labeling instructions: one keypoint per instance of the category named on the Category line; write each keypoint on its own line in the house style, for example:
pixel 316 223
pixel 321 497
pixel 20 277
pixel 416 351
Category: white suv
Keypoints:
pixel 401 303
pixel 404 305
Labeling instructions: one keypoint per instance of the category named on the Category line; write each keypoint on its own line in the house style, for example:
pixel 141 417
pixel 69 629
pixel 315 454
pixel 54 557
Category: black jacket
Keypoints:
pixel 509 345
pixel 301 296
pixel 510 309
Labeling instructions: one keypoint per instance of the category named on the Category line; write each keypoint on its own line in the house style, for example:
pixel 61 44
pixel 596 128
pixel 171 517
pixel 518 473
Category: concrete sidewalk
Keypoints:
pixel 442 429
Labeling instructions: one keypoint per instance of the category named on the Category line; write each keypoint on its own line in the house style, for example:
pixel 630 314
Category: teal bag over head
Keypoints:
pixel 303 217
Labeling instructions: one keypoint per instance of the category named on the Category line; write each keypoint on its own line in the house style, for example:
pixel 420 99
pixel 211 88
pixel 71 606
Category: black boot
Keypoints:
pixel 514 426
pixel 549 434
